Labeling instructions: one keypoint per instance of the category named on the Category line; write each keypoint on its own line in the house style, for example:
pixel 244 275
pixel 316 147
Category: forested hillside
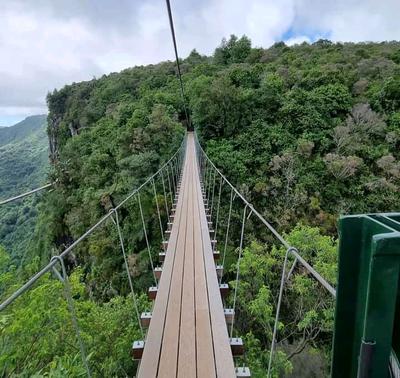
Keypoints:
pixel 24 150
pixel 306 132
pixel 22 129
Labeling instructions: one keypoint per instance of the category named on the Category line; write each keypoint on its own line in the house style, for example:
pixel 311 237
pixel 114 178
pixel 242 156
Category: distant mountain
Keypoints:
pixel 23 166
pixel 22 129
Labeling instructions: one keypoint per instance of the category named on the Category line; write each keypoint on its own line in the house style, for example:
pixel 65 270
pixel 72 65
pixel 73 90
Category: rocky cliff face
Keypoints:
pixel 53 124
pixel 66 108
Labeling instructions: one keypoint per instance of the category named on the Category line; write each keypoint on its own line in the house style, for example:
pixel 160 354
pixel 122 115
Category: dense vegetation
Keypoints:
pixel 306 132
pixel 23 166
pixel 311 131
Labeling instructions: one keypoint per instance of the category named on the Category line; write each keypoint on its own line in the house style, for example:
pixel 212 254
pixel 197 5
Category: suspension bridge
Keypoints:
pixel 190 331
pixel 187 336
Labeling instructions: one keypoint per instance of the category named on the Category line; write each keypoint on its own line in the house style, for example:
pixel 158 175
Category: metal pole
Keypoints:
pixel 278 308
pixel 173 179
pixel 71 307
pixel 219 203
pixel 209 185
pixel 158 211
pixel 147 240
pixel 227 231
pixel 212 196
pixel 165 197
pixel 238 266
pixel 170 188
pixel 121 242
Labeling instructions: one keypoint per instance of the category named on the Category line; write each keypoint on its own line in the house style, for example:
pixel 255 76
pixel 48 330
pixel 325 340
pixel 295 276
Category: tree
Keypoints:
pixel 307 309
pixel 361 128
pixel 389 96
pixel 232 51
pixel 306 132
pixel 342 167
pixel 37 336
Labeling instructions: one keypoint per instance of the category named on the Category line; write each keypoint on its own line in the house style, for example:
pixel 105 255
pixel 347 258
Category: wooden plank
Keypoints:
pixel 222 352
pixel 151 354
pixel 170 342
pixel 187 338
pixel 204 342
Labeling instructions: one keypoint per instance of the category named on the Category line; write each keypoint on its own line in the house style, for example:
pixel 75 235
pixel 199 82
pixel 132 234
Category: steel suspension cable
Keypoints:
pixel 158 211
pixel 176 171
pixel 171 24
pixel 204 168
pixel 289 250
pixel 70 302
pixel 26 194
pixel 227 231
pixel 147 240
pixel 209 184
pixel 165 197
pixel 207 177
pixel 212 195
pixel 122 245
pixel 174 183
pixel 218 206
pixel 170 187
pixel 173 186
pixel 292 268
pixel 278 308
pixel 238 268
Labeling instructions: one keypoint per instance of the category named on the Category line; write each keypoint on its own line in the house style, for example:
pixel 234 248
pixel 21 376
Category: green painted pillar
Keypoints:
pixel 367 316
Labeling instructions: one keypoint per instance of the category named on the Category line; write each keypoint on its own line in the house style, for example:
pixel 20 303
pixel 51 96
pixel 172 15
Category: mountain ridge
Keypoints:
pixel 23 166
pixel 21 129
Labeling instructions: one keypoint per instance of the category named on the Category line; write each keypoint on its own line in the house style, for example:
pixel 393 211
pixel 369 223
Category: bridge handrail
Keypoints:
pixel 289 250
pixel 292 249
pixel 26 193
pixel 54 262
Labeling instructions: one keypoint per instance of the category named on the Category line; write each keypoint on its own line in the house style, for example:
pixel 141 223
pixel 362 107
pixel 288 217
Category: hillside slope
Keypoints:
pixel 22 129
pixel 23 166
pixel 306 132
pixel 310 131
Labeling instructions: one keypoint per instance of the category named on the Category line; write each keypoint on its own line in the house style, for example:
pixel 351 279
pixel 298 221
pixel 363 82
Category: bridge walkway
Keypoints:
pixel 187 335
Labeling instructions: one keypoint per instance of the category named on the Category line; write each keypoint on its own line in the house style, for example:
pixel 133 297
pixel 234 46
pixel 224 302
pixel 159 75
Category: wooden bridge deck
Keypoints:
pixel 188 336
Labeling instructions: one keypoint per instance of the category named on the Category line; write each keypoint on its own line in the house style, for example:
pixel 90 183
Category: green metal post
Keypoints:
pixel 367 293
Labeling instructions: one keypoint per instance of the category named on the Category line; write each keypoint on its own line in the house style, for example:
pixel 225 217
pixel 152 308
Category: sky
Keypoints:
pixel 45 44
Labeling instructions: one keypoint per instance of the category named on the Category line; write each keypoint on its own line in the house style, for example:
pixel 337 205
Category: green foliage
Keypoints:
pixel 307 308
pixel 23 166
pixel 306 132
pixel 22 130
pixel 37 337
pixel 233 51
pixel 310 124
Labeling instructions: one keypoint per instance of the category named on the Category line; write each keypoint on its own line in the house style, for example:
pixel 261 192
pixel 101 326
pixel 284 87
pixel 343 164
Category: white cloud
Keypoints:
pixel 298 40
pixel 349 20
pixel 264 21
pixel 45 43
